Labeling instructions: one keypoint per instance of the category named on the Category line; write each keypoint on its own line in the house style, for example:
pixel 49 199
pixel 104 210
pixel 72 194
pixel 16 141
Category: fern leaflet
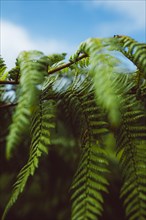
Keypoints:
pixel 135 51
pixel 131 148
pixel 33 68
pixel 40 131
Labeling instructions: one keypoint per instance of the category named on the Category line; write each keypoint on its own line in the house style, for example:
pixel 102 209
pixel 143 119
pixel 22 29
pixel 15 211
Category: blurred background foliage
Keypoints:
pixel 47 193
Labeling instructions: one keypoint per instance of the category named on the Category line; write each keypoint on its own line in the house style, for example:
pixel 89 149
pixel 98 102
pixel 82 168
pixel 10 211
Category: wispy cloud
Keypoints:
pixel 133 9
pixel 15 38
pixel 131 16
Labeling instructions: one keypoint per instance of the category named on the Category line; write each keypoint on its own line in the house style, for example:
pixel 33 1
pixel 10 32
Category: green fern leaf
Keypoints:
pixel 33 68
pixel 82 112
pixel 134 51
pixel 42 122
pixel 131 148
pixel 88 183
pixel 102 70
pixel 3 73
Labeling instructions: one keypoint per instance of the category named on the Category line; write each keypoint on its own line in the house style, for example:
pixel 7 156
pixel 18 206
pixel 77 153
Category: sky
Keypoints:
pixel 53 26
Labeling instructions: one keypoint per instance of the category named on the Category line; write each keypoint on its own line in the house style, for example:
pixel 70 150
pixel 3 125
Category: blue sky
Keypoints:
pixel 60 26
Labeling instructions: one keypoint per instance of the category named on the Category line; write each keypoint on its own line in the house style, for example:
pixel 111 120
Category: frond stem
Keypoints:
pixel 51 71
pixel 67 64
pixel 7 105
pixel 13 82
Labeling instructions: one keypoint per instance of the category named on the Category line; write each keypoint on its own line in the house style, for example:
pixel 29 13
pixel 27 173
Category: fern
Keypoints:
pixel 102 67
pixel 131 149
pixel 33 68
pixel 3 76
pixel 89 180
pixel 3 73
pixel 134 51
pixel 40 132
pixel 133 162
pixel 14 74
pixel 92 100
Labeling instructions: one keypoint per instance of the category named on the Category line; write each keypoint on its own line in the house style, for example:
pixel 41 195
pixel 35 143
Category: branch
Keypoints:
pixel 50 71
pixel 9 82
pixel 67 64
pixel 8 105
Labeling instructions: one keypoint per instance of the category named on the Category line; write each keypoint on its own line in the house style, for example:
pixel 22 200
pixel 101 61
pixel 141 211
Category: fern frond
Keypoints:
pixel 134 51
pixel 102 69
pixel 3 67
pixel 33 68
pixel 81 111
pixel 89 181
pixel 84 63
pixel 54 59
pixel 14 73
pixel 142 93
pixel 131 148
pixel 42 123
pixel 92 99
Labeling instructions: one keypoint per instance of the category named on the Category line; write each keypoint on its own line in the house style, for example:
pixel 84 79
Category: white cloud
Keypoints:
pixel 15 39
pixel 136 10
pixel 132 16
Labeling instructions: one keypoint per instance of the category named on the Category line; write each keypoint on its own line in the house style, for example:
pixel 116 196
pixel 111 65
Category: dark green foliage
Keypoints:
pixel 79 104
pixel 131 146
pixel 85 102
pixel 40 134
